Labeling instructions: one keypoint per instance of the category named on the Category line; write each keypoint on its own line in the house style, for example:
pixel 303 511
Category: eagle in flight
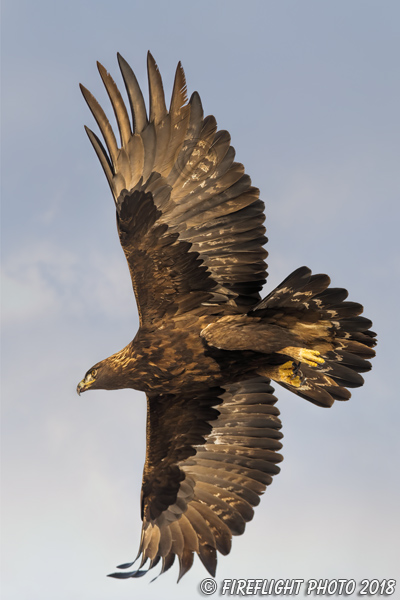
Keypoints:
pixel 191 227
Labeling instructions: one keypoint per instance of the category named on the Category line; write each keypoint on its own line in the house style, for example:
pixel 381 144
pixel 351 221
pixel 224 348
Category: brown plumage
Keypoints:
pixel 191 226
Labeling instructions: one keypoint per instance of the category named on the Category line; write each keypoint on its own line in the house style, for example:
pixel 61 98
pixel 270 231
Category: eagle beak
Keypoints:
pixel 81 387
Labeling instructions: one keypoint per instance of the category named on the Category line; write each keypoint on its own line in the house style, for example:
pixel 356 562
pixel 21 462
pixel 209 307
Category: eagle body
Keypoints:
pixel 162 359
pixel 191 227
pixel 174 355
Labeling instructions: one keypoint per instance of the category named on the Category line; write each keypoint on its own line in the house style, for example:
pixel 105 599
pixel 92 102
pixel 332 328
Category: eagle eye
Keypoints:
pixel 90 375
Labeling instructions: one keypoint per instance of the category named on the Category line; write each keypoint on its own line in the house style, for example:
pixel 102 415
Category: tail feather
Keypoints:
pixel 297 288
pixel 350 360
pixel 333 296
pixel 356 348
pixel 354 324
pixel 323 321
pixel 346 309
pixel 365 337
pixel 341 374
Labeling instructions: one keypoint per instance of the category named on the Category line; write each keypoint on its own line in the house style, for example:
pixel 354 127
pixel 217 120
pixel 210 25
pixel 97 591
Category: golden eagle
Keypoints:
pixel 191 226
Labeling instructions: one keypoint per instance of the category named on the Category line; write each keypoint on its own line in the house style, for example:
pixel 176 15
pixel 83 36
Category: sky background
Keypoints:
pixel 310 94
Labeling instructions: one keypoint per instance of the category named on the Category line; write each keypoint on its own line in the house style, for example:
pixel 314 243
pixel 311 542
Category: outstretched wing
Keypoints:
pixel 204 205
pixel 209 458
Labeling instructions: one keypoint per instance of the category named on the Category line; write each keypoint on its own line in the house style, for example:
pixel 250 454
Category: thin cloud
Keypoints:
pixel 47 280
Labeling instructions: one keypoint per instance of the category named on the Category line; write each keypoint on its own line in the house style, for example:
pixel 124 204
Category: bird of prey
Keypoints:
pixel 191 227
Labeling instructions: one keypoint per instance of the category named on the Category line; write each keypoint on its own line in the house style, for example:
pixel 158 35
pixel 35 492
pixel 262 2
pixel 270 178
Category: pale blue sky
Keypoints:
pixel 310 93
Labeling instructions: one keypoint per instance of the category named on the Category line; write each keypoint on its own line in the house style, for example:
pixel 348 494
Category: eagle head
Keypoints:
pixel 107 374
pixel 89 381
pixel 99 377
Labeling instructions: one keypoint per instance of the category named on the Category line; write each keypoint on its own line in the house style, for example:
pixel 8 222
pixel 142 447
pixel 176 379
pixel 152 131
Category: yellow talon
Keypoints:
pixel 309 357
pixel 287 374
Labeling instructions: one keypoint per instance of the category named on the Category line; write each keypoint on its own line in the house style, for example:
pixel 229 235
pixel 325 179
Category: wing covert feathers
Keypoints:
pixel 204 489
pixel 167 278
pixel 207 199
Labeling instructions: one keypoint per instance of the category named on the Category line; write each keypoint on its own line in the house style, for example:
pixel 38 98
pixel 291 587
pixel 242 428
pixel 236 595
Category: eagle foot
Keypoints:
pixel 290 373
pixel 304 355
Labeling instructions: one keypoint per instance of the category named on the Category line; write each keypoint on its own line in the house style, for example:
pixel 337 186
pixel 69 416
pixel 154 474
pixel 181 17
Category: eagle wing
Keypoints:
pixel 189 220
pixel 209 458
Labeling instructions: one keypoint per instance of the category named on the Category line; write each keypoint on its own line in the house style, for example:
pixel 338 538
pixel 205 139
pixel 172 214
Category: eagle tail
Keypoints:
pixel 332 342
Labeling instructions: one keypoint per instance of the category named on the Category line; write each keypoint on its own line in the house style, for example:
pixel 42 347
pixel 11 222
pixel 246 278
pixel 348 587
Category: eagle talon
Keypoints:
pixel 311 357
pixel 296 368
pixel 290 373
pixel 304 355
